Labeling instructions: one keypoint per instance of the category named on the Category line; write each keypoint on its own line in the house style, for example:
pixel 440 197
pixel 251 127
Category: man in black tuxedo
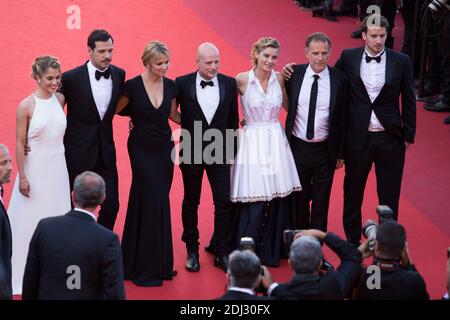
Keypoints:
pixel 377 131
pixel 308 282
pixel 92 91
pixel 243 276
pixel 5 228
pixel 208 104
pixel 71 256
pixel 315 128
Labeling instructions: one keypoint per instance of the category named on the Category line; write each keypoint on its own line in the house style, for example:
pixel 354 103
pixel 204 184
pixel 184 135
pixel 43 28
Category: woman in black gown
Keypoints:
pixel 150 100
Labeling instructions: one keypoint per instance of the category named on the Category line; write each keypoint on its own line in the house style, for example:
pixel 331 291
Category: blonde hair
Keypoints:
pixel 153 50
pixel 41 64
pixel 260 45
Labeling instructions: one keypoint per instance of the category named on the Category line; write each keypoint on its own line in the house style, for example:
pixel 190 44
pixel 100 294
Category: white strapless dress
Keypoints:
pixel 46 170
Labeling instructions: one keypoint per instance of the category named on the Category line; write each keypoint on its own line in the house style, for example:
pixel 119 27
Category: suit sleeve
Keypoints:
pixel 233 117
pixel 31 277
pixel 64 85
pixel 112 271
pixel 408 102
pixel 340 63
pixel 343 116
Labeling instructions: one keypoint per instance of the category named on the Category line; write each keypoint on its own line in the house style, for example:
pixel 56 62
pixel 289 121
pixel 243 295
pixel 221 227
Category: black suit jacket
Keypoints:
pixel 398 81
pixel 5 255
pixel 338 107
pixel 239 295
pixel 74 239
pixel 333 285
pixel 87 136
pixel 226 116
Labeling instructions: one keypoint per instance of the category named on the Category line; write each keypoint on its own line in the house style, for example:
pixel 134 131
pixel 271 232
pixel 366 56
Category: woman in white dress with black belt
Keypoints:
pixel 41 188
pixel 264 173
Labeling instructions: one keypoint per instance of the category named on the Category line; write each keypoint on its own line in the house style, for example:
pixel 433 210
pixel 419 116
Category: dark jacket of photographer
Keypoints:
pixel 332 285
pixel 396 283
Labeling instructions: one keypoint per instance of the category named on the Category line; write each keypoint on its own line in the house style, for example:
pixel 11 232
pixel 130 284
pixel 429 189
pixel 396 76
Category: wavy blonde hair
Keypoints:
pixel 260 45
pixel 41 64
pixel 153 50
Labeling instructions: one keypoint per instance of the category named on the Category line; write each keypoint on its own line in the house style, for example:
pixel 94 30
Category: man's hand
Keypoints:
pixel 27 149
pixel 339 163
pixel 130 126
pixel 311 232
pixel 405 258
pixel 364 249
pixel 266 278
pixel 288 70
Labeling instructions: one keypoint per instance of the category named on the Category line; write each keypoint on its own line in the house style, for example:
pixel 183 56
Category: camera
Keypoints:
pixel 439 7
pixel 370 228
pixel 247 243
pixel 288 236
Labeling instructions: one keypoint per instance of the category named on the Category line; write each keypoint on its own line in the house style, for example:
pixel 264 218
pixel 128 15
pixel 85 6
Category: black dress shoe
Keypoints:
pixel 171 275
pixel 432 100
pixel 357 33
pixel 210 249
pixel 326 266
pixel 447 120
pixel 439 106
pixel 221 262
pixel 346 12
pixel 192 262
pixel 431 88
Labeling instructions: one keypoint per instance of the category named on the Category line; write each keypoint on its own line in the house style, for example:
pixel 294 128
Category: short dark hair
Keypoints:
pixel 318 36
pixel 244 269
pixel 89 189
pixel 375 20
pixel 391 239
pixel 98 35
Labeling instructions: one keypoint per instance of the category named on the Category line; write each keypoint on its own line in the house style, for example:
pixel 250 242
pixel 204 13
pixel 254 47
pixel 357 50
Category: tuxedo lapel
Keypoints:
pixel 333 88
pixel 357 70
pixel 193 90
pixel 115 90
pixel 222 90
pixel 298 82
pixel 389 73
pixel 85 85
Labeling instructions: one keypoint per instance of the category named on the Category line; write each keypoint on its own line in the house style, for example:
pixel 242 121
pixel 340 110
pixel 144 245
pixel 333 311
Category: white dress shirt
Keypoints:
pixel 208 98
pixel 101 90
pixel 373 76
pixel 87 212
pixel 321 119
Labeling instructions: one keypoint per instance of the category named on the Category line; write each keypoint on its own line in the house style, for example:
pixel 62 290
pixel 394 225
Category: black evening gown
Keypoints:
pixel 147 235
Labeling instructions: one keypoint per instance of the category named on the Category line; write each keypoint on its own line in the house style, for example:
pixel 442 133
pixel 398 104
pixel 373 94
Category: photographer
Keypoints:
pixel 243 276
pixel 397 276
pixel 305 258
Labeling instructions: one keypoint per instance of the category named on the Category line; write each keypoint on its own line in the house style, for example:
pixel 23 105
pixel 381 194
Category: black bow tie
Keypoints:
pixel 203 83
pixel 377 59
pixel 99 74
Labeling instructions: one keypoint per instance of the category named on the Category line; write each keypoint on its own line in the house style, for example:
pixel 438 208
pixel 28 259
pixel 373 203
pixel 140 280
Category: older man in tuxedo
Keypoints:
pixel 5 228
pixel 71 256
pixel 92 91
pixel 208 102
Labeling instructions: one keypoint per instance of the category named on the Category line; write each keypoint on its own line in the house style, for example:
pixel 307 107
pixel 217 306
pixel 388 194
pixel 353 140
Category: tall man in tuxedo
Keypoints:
pixel 315 128
pixel 208 100
pixel 5 228
pixel 92 91
pixel 71 256
pixel 377 131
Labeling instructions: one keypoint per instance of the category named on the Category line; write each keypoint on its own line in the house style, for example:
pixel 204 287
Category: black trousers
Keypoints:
pixel 219 179
pixel 388 154
pixel 316 178
pixel 110 207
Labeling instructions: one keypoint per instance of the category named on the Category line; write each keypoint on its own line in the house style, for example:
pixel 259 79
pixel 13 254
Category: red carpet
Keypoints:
pixel 31 29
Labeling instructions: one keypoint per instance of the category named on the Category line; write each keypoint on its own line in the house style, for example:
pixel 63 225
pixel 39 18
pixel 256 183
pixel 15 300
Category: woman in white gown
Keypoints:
pixel 264 173
pixel 41 188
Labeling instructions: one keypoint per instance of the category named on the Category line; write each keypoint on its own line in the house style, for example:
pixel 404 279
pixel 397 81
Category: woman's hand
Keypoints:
pixel 24 187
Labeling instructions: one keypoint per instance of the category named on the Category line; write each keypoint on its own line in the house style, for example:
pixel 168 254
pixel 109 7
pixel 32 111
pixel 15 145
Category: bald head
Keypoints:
pixel 208 60
pixel 5 165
